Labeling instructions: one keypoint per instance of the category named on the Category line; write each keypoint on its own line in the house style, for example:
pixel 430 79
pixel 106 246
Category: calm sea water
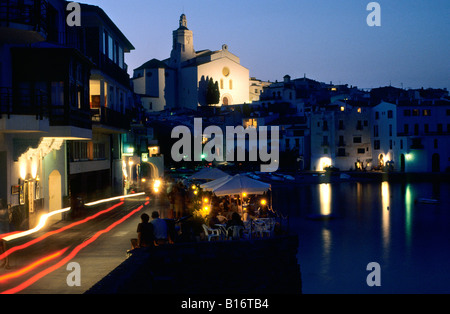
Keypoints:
pixel 374 222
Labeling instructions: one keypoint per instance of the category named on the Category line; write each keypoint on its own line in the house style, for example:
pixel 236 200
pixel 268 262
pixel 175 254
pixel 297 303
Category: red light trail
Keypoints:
pixel 48 234
pixel 32 266
pixel 71 255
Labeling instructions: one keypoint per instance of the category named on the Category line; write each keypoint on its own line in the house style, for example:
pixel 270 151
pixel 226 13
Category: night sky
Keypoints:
pixel 328 40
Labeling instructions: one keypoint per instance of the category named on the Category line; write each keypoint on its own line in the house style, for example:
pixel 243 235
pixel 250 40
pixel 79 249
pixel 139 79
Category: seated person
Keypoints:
pixel 235 221
pixel 145 233
pixel 213 220
pixel 159 229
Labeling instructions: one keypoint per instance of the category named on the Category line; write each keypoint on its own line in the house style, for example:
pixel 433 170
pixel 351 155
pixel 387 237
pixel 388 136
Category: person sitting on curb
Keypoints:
pixel 145 231
pixel 160 231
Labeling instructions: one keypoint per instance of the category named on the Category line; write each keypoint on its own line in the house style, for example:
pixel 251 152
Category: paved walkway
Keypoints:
pixel 99 258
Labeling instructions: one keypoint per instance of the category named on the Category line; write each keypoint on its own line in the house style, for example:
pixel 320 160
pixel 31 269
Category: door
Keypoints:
pixel 54 191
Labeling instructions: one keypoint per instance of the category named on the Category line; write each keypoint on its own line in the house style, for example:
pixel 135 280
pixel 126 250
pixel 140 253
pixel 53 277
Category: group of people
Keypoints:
pixel 151 233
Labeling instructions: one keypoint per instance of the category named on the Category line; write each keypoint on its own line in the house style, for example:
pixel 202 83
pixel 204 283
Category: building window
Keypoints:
pixel 357 140
pixel 110 48
pixel 79 151
pixel 406 129
pixel 426 112
pixel 401 144
pixel 99 151
pixel 226 71
pixel 435 143
pixel 416 129
pixel 375 131
pixel 390 114
pixel 415 112
pixel 361 150
pixel 57 96
pixel 376 145
pixel 121 61
pixel 426 128
pixel 406 112
pixel 359 125
pixel 390 129
pixel 221 83
pixel 341 124
pixel 377 115
pixel 231 84
pixel 341 152
pixel 439 128
pixel 390 144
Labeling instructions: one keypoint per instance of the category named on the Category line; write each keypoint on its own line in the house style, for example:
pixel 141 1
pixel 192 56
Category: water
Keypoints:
pixel 373 222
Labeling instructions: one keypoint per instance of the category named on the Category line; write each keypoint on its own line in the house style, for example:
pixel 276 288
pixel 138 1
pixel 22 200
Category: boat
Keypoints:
pixel 288 177
pixel 427 201
pixel 276 177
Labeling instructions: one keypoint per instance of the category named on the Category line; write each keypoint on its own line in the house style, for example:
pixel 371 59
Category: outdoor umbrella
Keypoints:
pixel 211 185
pixel 240 184
pixel 209 174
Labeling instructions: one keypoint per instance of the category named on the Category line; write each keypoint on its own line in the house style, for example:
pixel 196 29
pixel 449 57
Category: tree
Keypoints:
pixel 212 93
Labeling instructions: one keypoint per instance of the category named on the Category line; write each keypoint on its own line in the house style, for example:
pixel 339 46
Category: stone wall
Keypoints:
pixel 261 266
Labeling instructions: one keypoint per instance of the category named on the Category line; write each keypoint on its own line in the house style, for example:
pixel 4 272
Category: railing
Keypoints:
pixel 112 69
pixel 23 102
pixel 109 117
pixel 34 14
pixel 63 116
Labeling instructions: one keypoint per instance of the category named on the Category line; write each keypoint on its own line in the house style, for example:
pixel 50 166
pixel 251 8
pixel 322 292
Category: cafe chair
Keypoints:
pixel 211 233
pixel 234 232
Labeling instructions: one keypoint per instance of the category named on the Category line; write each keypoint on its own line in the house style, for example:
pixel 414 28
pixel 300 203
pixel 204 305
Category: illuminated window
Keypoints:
pixel 226 71
pixel 231 84
pixel 221 83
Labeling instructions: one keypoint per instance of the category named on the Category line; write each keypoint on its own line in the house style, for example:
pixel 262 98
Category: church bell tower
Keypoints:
pixel 183 43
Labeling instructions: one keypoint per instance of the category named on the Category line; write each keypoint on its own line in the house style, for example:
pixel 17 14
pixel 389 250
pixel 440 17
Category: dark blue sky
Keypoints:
pixel 329 40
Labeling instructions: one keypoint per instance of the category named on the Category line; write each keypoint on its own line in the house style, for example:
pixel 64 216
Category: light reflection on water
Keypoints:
pixel 375 222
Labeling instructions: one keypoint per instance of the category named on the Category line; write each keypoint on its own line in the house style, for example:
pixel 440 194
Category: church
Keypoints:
pixel 181 81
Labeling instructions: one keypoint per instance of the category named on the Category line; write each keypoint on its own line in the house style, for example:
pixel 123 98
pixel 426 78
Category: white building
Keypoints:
pixel 385 142
pixel 340 137
pixel 424 141
pixel 181 81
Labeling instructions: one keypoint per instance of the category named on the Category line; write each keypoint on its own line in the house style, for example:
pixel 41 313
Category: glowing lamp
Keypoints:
pixel 263 202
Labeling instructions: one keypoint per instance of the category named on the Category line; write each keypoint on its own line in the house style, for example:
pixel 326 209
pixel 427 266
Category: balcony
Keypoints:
pixel 15 104
pixel 23 23
pixel 110 68
pixel 65 116
pixel 32 102
pixel 103 116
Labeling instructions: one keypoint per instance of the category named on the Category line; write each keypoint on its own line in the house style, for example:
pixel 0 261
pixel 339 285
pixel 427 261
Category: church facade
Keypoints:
pixel 181 81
